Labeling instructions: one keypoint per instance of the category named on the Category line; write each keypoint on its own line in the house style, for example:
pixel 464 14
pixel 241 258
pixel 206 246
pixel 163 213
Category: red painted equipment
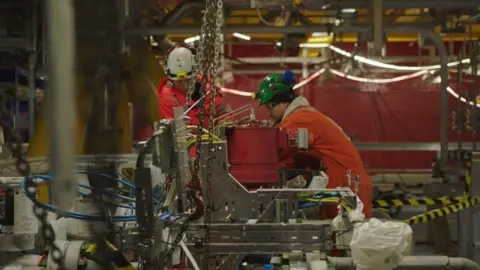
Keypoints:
pixel 253 154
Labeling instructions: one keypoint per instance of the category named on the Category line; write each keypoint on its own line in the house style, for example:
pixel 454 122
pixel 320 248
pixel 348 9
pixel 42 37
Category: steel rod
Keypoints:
pixel 61 89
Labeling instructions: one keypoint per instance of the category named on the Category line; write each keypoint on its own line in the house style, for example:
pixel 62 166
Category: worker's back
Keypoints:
pixel 326 137
pixel 329 143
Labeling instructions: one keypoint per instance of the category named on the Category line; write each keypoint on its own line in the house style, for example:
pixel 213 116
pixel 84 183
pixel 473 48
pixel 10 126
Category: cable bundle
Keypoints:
pixel 91 217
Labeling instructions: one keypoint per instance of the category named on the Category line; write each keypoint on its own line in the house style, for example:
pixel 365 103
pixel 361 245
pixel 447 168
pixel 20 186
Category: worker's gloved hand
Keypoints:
pixel 319 181
pixel 297 182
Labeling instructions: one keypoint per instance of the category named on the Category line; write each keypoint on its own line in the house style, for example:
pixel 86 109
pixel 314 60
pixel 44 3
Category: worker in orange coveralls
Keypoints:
pixel 327 141
pixel 173 89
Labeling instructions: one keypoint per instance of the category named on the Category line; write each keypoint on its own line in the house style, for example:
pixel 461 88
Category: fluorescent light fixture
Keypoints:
pixel 314 45
pixel 192 39
pixel 348 10
pixel 241 36
pixel 278 43
pixel 321 34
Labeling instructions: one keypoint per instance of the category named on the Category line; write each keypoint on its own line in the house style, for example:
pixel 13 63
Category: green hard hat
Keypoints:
pixel 270 86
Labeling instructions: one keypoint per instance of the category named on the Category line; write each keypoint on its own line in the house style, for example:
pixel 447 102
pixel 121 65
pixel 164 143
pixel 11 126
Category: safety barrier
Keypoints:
pixel 443 211
pixel 413 202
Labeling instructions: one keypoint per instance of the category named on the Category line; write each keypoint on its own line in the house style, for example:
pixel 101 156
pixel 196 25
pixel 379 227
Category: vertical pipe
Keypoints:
pixel 474 66
pixel 444 115
pixel 377 27
pixel 44 34
pixel 61 91
pixel 442 51
pixel 130 120
pixel 32 77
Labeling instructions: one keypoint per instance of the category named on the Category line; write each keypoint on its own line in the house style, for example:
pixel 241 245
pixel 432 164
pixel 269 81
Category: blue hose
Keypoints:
pixel 83 216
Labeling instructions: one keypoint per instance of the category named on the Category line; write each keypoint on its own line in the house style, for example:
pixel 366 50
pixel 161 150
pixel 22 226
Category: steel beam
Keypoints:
pixel 389 4
pixel 319 60
pixel 248 29
pixel 259 70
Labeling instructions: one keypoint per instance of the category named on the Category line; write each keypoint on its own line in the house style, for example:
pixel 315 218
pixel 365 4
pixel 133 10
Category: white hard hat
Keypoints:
pixel 180 63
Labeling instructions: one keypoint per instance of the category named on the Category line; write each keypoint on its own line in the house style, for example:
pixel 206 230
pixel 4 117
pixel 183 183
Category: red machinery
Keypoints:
pixel 253 154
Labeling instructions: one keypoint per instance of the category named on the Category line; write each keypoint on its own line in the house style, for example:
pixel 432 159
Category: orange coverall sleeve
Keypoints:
pixel 167 103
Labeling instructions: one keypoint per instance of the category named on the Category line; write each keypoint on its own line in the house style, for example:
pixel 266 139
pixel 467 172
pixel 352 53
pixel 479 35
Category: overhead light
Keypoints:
pixel 348 10
pixel 278 44
pixel 321 34
pixel 241 36
pixel 314 45
pixel 192 39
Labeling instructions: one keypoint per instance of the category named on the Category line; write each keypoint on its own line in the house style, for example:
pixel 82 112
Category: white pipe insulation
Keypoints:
pixel 415 262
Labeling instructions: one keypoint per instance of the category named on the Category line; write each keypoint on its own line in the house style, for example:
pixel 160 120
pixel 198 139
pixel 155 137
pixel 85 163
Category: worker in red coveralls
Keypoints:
pixel 327 141
pixel 173 89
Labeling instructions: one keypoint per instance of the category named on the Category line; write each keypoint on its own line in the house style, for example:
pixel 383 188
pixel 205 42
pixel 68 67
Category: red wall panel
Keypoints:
pixel 407 111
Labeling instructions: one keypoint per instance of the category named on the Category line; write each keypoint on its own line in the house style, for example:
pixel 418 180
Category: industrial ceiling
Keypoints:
pixel 298 19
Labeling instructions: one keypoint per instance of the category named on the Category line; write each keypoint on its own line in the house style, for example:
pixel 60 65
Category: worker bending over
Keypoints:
pixel 173 89
pixel 327 141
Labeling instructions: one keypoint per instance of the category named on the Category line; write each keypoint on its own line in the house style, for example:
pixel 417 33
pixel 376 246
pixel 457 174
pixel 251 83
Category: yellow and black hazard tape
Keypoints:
pixel 442 211
pixel 422 201
pixel 468 182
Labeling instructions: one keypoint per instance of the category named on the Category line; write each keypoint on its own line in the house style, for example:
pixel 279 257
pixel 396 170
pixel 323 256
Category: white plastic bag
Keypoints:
pixel 319 181
pixel 380 245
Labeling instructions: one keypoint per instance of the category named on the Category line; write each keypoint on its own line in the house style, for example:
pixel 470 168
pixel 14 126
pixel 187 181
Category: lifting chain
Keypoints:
pixel 206 62
pixel 214 22
pixel 23 167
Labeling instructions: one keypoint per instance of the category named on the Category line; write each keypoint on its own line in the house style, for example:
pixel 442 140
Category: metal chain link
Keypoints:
pixel 23 167
pixel 206 62
pixel 217 42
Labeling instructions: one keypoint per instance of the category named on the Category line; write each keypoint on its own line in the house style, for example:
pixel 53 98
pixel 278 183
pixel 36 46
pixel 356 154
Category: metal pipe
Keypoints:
pixel 61 90
pixel 32 73
pixel 442 52
pixel 377 22
pixel 414 262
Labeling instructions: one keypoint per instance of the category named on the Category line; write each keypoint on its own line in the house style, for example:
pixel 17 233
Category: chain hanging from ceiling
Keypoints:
pixel 205 66
pixel 23 167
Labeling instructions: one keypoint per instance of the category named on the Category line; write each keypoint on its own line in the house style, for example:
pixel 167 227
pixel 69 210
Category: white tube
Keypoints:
pixel 415 262
pixel 61 95
pixel 189 255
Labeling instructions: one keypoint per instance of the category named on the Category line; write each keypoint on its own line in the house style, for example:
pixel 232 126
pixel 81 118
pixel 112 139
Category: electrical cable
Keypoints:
pixel 379 81
pixel 390 66
pixel 82 216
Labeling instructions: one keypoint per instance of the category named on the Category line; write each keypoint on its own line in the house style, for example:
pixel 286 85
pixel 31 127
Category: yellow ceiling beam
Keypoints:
pixel 411 15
